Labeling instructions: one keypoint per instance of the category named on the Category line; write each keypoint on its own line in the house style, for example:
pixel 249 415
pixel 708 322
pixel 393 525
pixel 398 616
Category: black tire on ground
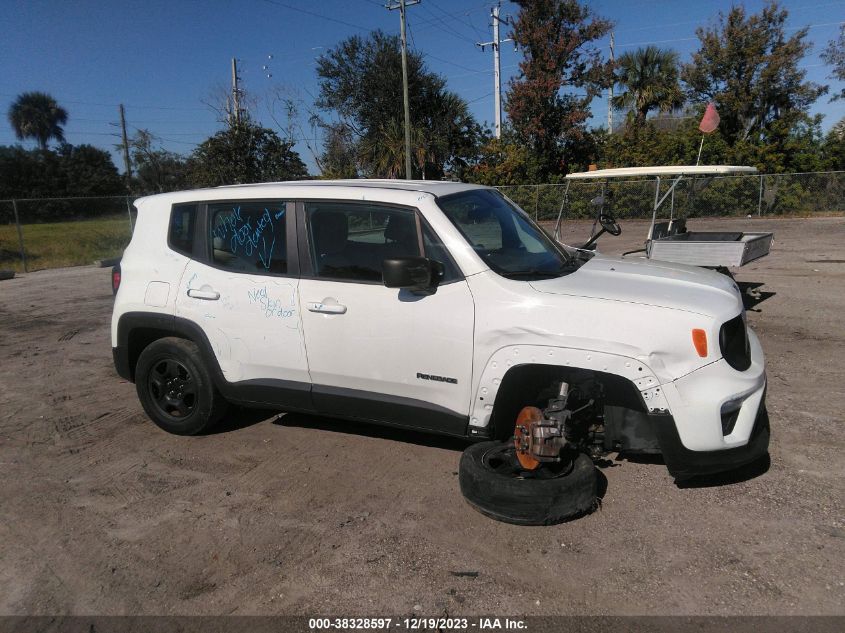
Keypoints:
pixel 7 274
pixel 494 484
pixel 176 389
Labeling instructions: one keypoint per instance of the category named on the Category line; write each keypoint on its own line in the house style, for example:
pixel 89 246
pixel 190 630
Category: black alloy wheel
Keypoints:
pixel 176 388
pixel 172 388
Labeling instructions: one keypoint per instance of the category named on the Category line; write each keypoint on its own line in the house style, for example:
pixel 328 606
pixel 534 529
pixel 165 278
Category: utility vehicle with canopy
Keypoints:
pixel 671 240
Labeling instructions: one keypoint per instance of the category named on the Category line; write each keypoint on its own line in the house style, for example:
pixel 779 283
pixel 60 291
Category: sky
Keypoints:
pixel 166 60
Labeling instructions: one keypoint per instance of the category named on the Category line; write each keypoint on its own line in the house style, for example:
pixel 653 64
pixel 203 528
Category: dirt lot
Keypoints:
pixel 102 513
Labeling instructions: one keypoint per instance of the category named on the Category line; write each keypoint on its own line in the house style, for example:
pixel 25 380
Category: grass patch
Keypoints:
pixel 59 244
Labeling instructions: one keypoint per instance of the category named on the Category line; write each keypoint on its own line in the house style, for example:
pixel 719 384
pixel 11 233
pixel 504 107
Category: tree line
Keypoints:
pixel 242 153
pixel 748 65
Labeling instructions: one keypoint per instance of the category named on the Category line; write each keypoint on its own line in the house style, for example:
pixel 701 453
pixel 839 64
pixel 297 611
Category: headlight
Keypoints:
pixel 734 345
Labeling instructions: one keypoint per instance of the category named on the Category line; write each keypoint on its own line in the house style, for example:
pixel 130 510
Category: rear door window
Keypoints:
pixel 249 236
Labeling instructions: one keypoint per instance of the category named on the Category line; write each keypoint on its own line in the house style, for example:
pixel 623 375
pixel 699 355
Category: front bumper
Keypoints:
pixel 683 463
pixel 694 436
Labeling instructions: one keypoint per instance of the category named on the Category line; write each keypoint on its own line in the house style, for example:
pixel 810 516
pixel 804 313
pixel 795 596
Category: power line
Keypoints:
pixel 138 129
pixel 657 26
pixel 451 63
pixel 318 15
pixel 812 26
pixel 478 72
pixel 489 94
pixel 699 22
pixel 455 15
pixel 445 28
pixel 173 140
pixel 647 42
pixel 689 39
pixel 78 132
pixel 430 22
pixel 172 121
pixel 115 105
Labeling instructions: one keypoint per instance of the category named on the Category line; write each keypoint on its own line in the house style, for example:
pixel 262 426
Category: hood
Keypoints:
pixel 649 282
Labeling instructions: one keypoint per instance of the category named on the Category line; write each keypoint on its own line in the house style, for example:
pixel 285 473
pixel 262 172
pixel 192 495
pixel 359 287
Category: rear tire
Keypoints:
pixel 176 389
pixel 493 482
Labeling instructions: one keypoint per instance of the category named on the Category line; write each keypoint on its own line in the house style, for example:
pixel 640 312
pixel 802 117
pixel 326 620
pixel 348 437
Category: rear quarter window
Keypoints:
pixel 180 236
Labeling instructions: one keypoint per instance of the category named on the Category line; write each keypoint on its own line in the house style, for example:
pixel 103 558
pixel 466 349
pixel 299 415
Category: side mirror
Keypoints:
pixel 413 273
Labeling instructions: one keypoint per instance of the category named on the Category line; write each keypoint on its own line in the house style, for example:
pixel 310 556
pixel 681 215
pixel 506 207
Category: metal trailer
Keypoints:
pixel 670 240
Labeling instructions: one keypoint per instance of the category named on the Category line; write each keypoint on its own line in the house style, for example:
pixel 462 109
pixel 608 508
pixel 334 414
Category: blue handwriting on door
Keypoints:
pixel 270 306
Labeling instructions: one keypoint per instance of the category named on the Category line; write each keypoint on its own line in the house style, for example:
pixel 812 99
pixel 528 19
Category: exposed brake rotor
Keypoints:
pixel 525 423
pixel 557 432
pixel 540 435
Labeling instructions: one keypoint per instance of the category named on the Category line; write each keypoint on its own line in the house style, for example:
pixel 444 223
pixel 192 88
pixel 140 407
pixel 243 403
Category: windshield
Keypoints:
pixel 504 236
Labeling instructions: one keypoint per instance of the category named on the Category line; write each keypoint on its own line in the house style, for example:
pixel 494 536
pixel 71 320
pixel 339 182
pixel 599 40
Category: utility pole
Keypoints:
pixel 402 5
pixel 236 96
pixel 610 94
pixel 126 163
pixel 497 68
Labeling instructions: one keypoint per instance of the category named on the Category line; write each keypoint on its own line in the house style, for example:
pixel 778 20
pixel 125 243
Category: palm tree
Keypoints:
pixel 382 151
pixel 37 115
pixel 649 77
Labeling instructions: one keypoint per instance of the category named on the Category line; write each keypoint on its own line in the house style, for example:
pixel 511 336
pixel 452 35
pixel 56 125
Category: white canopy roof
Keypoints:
pixel 665 170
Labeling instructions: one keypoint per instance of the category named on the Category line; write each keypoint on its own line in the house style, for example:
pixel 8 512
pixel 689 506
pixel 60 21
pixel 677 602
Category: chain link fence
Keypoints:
pixel 723 196
pixel 54 232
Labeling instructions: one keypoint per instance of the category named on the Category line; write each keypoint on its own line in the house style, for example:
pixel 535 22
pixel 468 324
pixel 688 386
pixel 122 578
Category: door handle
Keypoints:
pixel 205 293
pixel 326 306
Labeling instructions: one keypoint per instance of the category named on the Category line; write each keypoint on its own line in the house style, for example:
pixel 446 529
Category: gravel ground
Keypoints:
pixel 102 513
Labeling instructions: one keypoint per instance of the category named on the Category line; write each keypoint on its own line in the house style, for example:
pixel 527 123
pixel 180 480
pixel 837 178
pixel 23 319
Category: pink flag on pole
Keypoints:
pixel 710 120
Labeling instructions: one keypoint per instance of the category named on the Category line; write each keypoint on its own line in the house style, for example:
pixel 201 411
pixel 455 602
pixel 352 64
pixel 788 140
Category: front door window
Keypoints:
pixel 351 241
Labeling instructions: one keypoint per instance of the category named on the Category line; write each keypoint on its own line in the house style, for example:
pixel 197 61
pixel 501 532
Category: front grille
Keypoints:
pixel 733 343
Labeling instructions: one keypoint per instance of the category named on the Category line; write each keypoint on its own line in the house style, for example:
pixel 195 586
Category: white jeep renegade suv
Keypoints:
pixel 437 306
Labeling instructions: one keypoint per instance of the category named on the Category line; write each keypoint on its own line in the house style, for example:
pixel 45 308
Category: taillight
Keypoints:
pixel 115 279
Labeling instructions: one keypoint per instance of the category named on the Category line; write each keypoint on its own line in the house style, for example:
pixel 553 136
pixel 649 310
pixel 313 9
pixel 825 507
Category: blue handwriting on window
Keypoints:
pixel 247 239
